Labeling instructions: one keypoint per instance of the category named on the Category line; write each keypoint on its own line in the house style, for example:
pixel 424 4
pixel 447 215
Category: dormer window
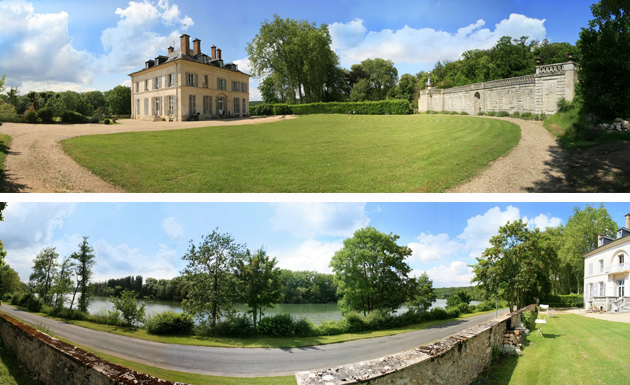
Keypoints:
pixel 621 259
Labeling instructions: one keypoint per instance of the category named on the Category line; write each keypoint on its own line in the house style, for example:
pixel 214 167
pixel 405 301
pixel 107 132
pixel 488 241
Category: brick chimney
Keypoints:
pixel 214 52
pixel 196 47
pixel 219 54
pixel 628 221
pixel 185 44
pixel 170 50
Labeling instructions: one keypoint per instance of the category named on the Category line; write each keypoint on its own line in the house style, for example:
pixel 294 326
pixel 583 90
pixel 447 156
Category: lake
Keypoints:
pixel 314 312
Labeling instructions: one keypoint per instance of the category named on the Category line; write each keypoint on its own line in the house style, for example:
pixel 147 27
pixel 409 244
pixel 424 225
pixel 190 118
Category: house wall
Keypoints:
pixel 594 275
pixel 537 93
pixel 458 359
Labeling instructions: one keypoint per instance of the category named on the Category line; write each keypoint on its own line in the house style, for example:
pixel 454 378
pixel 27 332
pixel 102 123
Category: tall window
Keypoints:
pixel 621 259
pixel 191 79
pixel 146 106
pixel 171 105
pixel 169 80
pixel 158 109
pixel 207 105
pixel 243 87
pixel 236 105
pixel 137 87
pixel 146 85
pixel 601 265
pixel 221 84
pixel 137 106
pixel 602 289
pixel 220 106
pixel 192 104
pixel 205 81
pixel 243 107
pixel 590 292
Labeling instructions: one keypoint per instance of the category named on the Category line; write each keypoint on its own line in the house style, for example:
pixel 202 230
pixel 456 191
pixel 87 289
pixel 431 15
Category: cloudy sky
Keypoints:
pixel 86 45
pixel 150 238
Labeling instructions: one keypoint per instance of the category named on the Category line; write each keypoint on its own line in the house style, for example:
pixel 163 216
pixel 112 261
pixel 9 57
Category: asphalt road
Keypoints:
pixel 243 362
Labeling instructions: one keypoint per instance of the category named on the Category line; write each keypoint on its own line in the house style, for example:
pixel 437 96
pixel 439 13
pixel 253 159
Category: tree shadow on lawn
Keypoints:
pixel 555 177
pixel 7 185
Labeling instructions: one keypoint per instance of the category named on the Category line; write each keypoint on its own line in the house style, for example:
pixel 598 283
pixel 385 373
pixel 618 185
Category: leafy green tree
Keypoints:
pixel 119 100
pixel 209 276
pixel 84 269
pixel 550 53
pixel 13 96
pixel 44 269
pixel 9 280
pixel 270 91
pixel 605 60
pixel 360 91
pixel 259 282
pixel 3 252
pixel 383 77
pixel 515 265
pixel 127 304
pixel 63 284
pixel 371 272
pixel 422 295
pixel 580 236
pixel 408 88
pixel 459 297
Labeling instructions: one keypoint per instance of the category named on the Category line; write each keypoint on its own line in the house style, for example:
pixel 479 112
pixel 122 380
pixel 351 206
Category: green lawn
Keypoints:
pixel 5 141
pixel 12 372
pixel 309 154
pixel 575 350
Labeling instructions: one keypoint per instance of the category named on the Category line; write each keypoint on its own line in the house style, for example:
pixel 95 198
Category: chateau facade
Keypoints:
pixel 186 82
pixel 606 271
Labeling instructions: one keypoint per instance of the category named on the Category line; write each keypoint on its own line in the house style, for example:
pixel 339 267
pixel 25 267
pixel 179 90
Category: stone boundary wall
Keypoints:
pixel 538 94
pixel 456 360
pixel 57 362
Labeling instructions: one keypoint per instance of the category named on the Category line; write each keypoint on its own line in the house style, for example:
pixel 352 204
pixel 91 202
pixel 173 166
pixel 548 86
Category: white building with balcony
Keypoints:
pixel 606 272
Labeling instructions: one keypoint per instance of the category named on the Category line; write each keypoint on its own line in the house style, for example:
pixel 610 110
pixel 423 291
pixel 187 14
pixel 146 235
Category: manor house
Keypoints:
pixel 606 271
pixel 186 82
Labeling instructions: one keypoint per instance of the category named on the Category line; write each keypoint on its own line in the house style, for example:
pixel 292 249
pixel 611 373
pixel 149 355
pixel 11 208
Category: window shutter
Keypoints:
pixel 196 80
pixel 175 107
pixel 187 79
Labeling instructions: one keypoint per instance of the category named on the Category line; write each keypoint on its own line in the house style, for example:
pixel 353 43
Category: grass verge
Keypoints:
pixel 12 372
pixel 309 154
pixel 575 350
pixel 5 141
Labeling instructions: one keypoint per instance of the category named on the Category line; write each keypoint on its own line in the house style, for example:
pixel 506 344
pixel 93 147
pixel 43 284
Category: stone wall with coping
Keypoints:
pixel 57 362
pixel 458 359
pixel 537 93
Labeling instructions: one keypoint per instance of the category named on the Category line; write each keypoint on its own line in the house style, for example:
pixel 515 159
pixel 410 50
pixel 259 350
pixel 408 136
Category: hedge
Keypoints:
pixel 569 300
pixel 383 107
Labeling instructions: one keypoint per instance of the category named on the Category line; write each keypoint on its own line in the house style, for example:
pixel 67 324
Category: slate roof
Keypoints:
pixel 201 58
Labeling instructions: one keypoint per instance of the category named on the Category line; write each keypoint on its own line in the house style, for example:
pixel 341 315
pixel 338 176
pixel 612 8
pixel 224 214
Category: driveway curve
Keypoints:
pixel 536 164
pixel 36 162
pixel 243 362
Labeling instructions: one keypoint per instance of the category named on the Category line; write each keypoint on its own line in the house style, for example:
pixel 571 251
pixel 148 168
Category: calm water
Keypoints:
pixel 314 312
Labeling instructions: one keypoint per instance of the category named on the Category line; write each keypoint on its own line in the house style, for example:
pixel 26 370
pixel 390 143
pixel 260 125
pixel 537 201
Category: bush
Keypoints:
pixel 383 107
pixel 303 327
pixel 481 113
pixel 16 297
pixel 127 304
pixel 438 313
pixel 377 320
pixel 516 114
pixel 46 114
pixel 281 109
pixel 453 113
pixel 569 300
pixel 444 112
pixel 34 304
pixel 526 115
pixel 71 117
pixel 30 115
pixel 528 318
pixel 463 308
pixel 330 328
pixel 234 325
pixel 463 113
pixel 453 312
pixel 503 114
pixel 472 309
pixel 491 113
pixel 169 322
pixel 8 112
pixel 354 322
pixel 279 325
pixel 106 121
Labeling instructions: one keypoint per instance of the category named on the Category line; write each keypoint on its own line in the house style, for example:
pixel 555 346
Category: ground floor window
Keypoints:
pixel 207 105
pixel 621 287
pixel 192 104
pixel 602 289
pixel 158 106
pixel 137 106
pixel 243 100
pixel 146 106
pixel 220 106
pixel 236 105
pixel 171 105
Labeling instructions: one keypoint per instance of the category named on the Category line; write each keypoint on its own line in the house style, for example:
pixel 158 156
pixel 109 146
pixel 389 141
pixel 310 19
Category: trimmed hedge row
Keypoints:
pixel 569 300
pixel 383 107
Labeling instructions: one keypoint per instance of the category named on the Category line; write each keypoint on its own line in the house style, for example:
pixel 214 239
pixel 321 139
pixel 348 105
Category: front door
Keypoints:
pixel 620 286
pixel 220 105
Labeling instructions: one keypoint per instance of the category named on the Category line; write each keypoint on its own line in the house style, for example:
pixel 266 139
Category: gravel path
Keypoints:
pixel 536 164
pixel 36 162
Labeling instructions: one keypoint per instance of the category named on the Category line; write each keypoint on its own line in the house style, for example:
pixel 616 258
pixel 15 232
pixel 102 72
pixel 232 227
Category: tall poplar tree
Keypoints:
pixel 84 269
pixel 44 269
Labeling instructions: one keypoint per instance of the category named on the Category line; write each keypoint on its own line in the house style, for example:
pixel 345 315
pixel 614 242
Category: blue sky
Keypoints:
pixel 81 45
pixel 150 238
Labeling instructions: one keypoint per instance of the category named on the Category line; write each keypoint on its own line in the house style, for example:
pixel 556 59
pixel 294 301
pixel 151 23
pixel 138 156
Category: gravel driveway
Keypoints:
pixel 36 162
pixel 536 164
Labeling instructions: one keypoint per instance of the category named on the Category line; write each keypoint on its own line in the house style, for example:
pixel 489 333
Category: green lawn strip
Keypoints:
pixel 5 141
pixel 253 342
pixel 12 372
pixel 575 350
pixel 314 153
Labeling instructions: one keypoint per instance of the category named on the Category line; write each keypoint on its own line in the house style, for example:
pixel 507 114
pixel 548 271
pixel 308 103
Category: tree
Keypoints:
pixel 3 205
pixel 209 276
pixel 84 265
pixel 119 100
pixel 422 296
pixel 408 88
pixel 44 269
pixel 580 236
pixel 259 282
pixel 360 91
pixel 460 297
pixel 605 60
pixel 383 77
pixel 515 266
pixel 371 272
pixel 9 280
pixel 63 282
pixel 127 304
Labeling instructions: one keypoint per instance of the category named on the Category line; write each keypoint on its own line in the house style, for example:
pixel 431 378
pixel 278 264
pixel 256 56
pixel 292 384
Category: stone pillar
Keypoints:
pixel 570 80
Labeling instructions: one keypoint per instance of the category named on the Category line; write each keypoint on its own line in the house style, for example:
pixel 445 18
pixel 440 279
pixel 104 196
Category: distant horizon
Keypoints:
pixel 95 46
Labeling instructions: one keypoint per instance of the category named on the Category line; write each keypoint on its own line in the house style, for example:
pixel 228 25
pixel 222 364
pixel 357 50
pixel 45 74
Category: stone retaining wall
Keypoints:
pixel 56 362
pixel 456 360
pixel 537 93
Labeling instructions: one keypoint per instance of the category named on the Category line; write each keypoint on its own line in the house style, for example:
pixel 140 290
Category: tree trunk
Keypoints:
pixel 74 295
pixel 569 282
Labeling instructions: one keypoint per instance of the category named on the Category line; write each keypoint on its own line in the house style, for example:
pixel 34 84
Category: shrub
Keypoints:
pixel 281 109
pixel 453 312
pixel 106 121
pixel 438 313
pixel 377 320
pixel 303 327
pixel 330 328
pixel 491 113
pixel 528 318
pixel 71 117
pixel 453 113
pixel 472 309
pixel 569 300
pixel 262 110
pixel 481 113
pixel 486 305
pixel 279 325
pixel 16 298
pixel 383 107
pixel 354 322
pixel 30 115
pixel 463 113
pixel 444 112
pixel 234 325
pixel 127 304
pixel 169 322
pixel 463 308
pixel 510 350
pixel 24 299
pixel 46 114
pixel 8 112
pixel 34 304
pixel 503 114
pixel 516 114
pixel 526 115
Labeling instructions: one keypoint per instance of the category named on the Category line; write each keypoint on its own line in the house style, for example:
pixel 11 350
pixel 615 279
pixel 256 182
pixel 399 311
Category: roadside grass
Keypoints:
pixel 308 154
pixel 5 141
pixel 575 350
pixel 12 372
pixel 252 342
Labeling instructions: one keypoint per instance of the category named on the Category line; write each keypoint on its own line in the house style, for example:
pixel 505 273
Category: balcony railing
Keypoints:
pixel 618 268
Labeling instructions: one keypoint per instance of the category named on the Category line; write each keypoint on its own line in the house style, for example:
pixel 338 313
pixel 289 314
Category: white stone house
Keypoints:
pixel 186 82
pixel 606 272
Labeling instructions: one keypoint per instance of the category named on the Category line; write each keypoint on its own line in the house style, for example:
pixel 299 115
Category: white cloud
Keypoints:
pixel 354 43
pixel 434 247
pixel 173 228
pixel 32 224
pixel 542 222
pixel 311 255
pixel 307 220
pixel 122 260
pixel 457 273
pixel 481 228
